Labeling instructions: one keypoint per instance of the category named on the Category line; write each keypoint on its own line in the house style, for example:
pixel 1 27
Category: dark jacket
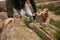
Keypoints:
pixel 17 4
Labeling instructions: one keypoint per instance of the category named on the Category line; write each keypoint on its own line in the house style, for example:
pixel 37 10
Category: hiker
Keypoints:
pixel 18 5
pixel 44 17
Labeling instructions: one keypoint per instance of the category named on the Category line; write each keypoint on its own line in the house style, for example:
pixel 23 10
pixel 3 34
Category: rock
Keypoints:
pixel 34 25
pixel 2 6
pixel 3 16
pixel 18 31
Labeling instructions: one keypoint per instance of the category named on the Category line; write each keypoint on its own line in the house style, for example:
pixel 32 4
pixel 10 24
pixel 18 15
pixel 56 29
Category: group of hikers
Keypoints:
pixel 21 4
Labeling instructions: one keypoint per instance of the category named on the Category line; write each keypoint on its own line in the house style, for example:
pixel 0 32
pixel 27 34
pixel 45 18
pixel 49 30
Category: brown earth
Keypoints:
pixel 17 31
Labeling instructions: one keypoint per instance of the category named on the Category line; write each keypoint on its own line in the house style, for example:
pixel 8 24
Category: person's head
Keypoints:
pixel 45 10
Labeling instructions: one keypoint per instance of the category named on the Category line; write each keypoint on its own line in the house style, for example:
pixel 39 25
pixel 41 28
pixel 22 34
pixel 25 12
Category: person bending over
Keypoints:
pixel 44 17
pixel 18 4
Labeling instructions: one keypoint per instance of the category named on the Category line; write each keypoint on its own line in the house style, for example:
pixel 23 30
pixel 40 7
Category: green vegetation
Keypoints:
pixel 39 33
pixel 26 22
pixel 37 1
pixel 55 23
pixel 57 11
pixel 51 7
pixel 41 6
pixel 57 35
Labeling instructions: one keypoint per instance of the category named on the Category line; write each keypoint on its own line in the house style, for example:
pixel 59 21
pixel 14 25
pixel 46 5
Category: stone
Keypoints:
pixel 18 31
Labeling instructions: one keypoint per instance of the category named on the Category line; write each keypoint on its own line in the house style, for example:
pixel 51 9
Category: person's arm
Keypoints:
pixel 34 5
pixel 47 21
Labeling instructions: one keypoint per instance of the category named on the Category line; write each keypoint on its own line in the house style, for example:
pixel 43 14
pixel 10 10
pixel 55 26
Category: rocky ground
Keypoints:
pixel 17 31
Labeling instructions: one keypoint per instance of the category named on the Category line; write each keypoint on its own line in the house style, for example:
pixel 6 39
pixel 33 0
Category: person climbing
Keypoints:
pixel 18 4
pixel 44 17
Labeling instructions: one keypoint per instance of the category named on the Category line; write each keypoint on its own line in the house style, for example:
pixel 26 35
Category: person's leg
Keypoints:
pixel 9 7
pixel 19 13
pixel 28 12
pixel 34 16
pixel 47 21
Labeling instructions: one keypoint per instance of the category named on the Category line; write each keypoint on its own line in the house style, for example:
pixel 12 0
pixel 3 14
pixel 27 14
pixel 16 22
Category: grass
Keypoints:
pixel 57 12
pixel 55 23
pixel 26 22
pixel 57 35
pixel 52 7
pixel 39 33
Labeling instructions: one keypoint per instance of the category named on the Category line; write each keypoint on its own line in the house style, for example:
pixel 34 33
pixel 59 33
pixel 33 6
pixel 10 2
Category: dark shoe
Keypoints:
pixel 20 17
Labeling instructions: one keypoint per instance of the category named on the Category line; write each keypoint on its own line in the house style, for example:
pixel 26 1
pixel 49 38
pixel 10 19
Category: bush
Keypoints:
pixel 26 22
pixel 41 6
pixel 39 33
pixel 57 35
pixel 57 7
pixel 37 1
pixel 51 7
pixel 57 12
pixel 55 23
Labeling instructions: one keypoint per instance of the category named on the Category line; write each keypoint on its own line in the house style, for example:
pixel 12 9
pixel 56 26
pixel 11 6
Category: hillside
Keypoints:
pixel 16 31
pixel 22 30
